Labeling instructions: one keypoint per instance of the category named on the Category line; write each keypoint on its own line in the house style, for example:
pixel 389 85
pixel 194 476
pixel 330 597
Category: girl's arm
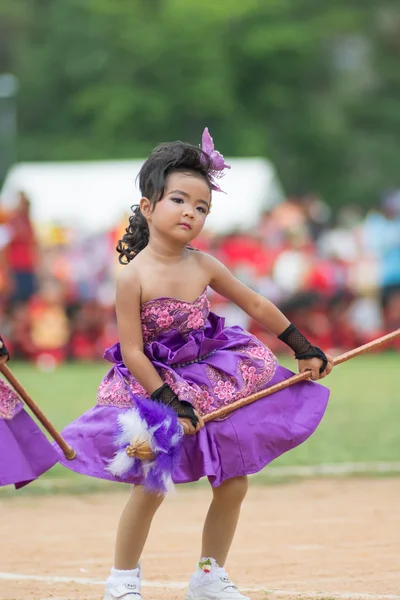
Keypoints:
pixel 254 304
pixel 268 315
pixel 131 341
pixel 129 324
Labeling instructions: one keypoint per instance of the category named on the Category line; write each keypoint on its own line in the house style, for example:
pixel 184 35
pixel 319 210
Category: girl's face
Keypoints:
pixel 181 213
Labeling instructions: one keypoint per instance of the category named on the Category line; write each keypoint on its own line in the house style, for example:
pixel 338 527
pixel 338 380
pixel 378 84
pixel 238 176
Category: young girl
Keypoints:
pixel 175 351
pixel 25 452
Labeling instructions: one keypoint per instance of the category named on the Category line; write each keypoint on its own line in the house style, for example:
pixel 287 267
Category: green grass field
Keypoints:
pixel 361 423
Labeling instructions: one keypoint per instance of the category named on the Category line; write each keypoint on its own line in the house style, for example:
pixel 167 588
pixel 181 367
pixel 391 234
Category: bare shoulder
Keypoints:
pixel 128 279
pixel 222 281
pixel 207 261
pixel 210 264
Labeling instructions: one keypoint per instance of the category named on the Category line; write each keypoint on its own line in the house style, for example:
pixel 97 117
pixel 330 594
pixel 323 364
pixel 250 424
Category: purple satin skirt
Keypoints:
pixel 241 444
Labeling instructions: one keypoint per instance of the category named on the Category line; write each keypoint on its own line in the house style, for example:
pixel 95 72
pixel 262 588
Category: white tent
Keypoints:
pixel 93 196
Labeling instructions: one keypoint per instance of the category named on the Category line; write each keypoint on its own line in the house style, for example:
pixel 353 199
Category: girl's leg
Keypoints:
pixel 222 518
pixel 134 527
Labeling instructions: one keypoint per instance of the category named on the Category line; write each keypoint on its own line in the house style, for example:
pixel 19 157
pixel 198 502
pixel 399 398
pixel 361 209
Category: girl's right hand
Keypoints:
pixel 187 425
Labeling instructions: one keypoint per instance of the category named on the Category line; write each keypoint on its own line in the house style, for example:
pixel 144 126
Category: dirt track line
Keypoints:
pixel 94 596
pixel 181 585
pixel 333 469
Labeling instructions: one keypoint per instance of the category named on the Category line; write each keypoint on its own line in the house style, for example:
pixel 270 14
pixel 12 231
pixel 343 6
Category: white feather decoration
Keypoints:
pixel 132 427
pixel 120 464
pixel 132 430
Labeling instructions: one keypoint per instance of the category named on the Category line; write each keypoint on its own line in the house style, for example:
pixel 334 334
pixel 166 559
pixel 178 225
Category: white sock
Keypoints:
pixel 205 571
pixel 120 576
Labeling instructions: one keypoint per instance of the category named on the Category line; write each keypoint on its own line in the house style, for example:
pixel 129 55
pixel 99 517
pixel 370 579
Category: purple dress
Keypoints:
pixel 209 365
pixel 25 452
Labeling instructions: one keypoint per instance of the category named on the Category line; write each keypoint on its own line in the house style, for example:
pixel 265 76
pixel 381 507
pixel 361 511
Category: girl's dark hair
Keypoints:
pixel 164 160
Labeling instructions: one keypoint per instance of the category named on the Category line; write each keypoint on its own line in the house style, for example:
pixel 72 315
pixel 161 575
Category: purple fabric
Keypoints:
pixel 25 452
pixel 209 365
pixel 244 443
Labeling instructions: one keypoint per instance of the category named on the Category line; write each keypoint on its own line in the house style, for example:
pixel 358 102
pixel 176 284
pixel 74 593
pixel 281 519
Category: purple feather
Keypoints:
pixel 167 437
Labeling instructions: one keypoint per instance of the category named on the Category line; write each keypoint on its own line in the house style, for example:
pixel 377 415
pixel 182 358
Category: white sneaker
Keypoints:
pixel 124 588
pixel 124 591
pixel 211 582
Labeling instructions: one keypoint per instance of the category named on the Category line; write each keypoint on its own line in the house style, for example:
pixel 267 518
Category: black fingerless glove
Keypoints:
pixel 183 409
pixel 3 349
pixel 301 346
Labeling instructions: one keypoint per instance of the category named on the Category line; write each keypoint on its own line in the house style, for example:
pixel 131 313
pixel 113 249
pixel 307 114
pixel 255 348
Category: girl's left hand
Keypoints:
pixel 187 426
pixel 314 365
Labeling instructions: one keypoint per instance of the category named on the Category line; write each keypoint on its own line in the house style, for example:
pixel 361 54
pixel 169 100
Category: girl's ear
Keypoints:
pixel 146 207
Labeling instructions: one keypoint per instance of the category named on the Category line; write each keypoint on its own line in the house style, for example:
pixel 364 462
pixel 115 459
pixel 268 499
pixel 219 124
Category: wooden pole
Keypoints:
pixel 69 452
pixel 225 410
pixel 142 450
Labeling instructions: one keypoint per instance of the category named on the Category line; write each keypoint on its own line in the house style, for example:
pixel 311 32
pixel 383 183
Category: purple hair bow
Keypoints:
pixel 217 160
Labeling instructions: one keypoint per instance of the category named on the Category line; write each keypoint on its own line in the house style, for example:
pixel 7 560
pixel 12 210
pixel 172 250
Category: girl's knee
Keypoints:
pixel 234 489
pixel 144 499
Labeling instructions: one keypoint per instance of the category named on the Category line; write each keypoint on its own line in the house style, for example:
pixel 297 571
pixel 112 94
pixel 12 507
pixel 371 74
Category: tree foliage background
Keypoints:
pixel 312 85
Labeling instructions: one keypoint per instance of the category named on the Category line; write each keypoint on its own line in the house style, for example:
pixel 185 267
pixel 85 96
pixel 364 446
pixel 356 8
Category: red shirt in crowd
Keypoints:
pixel 21 251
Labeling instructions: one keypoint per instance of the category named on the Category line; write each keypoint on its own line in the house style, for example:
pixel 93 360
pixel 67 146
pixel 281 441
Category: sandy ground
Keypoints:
pixel 322 538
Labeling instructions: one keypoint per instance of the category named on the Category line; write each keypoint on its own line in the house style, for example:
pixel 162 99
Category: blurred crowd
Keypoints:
pixel 335 275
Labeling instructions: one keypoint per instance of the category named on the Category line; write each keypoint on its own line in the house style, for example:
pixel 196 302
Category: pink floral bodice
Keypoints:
pixel 205 362
pixel 10 404
pixel 161 315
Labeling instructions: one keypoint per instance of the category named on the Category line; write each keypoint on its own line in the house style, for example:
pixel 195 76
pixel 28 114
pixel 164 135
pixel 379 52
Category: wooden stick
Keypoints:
pixel 225 410
pixel 69 452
